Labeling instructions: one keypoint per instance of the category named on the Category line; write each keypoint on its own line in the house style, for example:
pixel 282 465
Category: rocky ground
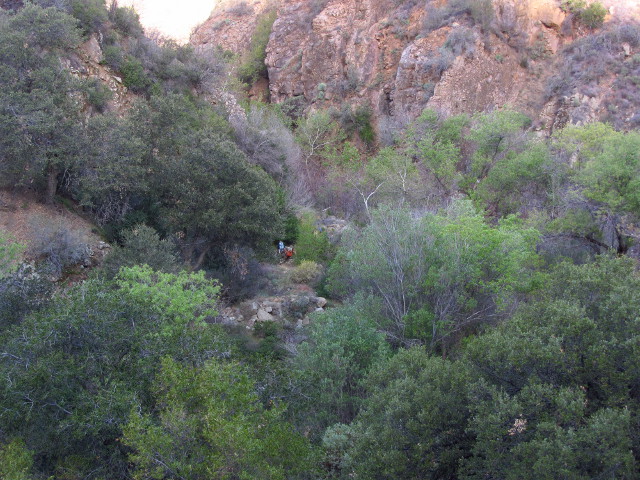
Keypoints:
pixel 290 305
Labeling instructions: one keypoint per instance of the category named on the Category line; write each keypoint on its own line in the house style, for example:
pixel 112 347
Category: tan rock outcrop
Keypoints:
pixel 328 53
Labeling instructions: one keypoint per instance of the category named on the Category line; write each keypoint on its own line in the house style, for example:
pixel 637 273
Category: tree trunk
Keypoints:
pixel 52 184
pixel 201 257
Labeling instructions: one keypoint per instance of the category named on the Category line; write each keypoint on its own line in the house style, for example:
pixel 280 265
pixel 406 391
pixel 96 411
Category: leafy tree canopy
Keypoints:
pixel 76 367
pixel 211 425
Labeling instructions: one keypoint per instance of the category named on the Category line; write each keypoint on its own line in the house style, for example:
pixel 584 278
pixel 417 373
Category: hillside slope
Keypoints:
pixel 399 57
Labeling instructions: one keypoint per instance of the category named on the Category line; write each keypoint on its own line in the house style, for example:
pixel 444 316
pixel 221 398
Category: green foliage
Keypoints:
pixel 612 177
pixel 307 271
pixel 39 116
pixel 114 171
pixel 79 365
pixel 441 160
pixel 606 171
pixel 210 424
pixel 496 135
pixel 504 188
pixel 91 14
pixel 559 371
pixel 142 246
pixel 358 120
pixel 134 75
pixel 573 6
pixel 113 56
pixel 187 298
pixel 436 143
pixel 343 346
pixel 437 275
pixel 312 244
pixel 397 175
pixel 553 437
pixel 593 15
pixel 22 292
pixel 549 392
pixel 413 423
pixel 173 161
pixel 9 254
pixel 212 192
pixel 451 129
pixel 253 66
pixel 39 28
pixel 320 138
pixel 126 20
pixel 16 461
pixel 291 229
pixel 98 94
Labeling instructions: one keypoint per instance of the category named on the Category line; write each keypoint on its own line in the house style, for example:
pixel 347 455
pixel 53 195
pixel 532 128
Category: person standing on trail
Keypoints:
pixel 280 247
pixel 288 253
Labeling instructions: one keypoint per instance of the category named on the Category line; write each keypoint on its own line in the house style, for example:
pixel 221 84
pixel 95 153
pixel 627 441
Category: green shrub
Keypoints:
pixel 573 6
pixel 126 20
pixel 113 56
pixel 291 229
pixel 312 244
pixel 253 66
pixel 142 245
pixel 134 76
pixel 91 14
pixel 593 15
pixel 357 120
pixel 98 95
pixel 366 132
pixel 308 272
pixel 16 461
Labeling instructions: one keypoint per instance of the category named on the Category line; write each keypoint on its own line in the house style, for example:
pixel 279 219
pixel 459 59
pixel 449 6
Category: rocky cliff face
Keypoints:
pixel 231 24
pixel 399 57
pixel 86 62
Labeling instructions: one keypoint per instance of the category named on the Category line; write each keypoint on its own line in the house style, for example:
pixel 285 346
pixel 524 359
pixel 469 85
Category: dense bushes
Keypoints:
pixel 464 346
pixel 312 243
pixel 126 20
pixel 591 15
pixel 549 390
pixel 104 349
pixel 91 14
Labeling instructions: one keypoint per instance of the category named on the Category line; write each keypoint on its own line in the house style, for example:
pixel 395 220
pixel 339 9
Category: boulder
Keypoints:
pixel 264 316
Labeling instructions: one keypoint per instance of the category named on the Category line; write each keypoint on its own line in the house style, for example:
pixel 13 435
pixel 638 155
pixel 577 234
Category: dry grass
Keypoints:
pixel 20 212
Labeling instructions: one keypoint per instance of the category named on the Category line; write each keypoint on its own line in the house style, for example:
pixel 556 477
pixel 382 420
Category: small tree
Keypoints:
pixel 593 16
pixel 343 346
pixel 9 254
pixel 211 425
pixel 142 245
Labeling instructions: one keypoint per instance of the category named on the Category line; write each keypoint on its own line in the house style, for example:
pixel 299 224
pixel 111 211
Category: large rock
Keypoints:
pixel 288 310
pixel 264 316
